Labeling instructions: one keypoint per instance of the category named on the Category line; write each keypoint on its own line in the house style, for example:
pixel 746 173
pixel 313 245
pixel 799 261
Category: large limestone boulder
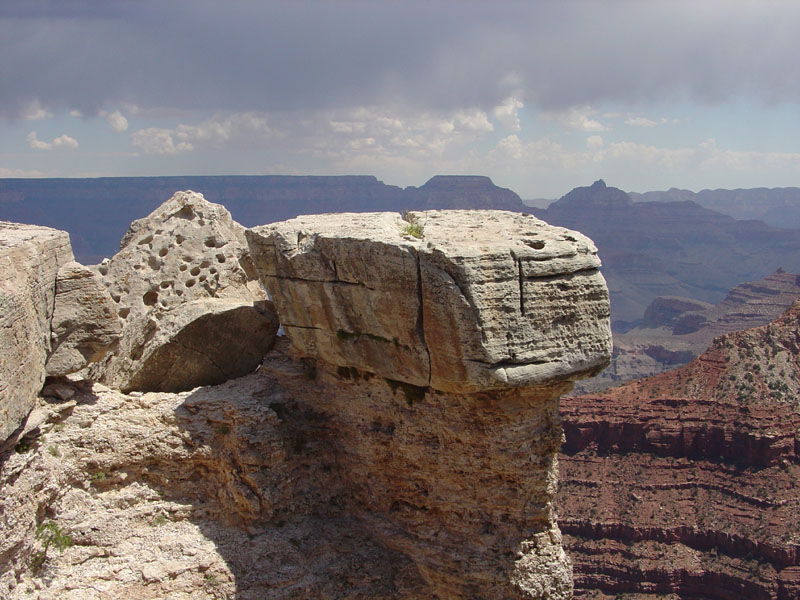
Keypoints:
pixel 55 316
pixel 484 299
pixel 30 257
pixel 186 250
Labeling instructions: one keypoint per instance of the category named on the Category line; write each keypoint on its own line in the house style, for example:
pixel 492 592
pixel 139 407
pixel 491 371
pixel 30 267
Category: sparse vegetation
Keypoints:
pixel 50 534
pixel 411 225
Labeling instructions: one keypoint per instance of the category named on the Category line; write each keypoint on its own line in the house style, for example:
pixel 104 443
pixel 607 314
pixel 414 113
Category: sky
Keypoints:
pixel 540 96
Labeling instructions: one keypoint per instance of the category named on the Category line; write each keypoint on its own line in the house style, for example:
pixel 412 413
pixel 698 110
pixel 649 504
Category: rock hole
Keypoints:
pixel 535 244
pixel 116 298
pixel 150 298
pixel 186 213
pixel 205 264
pixel 165 284
pixel 213 270
pixel 162 252
pixel 220 258
pixel 211 242
pixel 124 312
pixel 195 271
pixel 179 239
pixel 153 263
pixel 190 283
pixel 145 240
pixel 179 292
pixel 202 278
pixel 183 267
pixel 103 269
pixel 187 258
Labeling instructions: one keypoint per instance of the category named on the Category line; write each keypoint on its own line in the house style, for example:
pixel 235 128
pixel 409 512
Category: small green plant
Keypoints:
pixel 99 477
pixel 412 225
pixel 22 447
pixel 50 534
pixel 54 451
pixel 159 520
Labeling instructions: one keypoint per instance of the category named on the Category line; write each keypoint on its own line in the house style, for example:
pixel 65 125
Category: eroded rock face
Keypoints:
pixel 30 257
pixel 685 484
pixel 186 250
pixel 486 299
pixel 437 366
pixel 85 326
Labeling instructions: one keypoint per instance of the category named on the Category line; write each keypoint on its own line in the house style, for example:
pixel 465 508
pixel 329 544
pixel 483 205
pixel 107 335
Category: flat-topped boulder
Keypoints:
pixel 482 300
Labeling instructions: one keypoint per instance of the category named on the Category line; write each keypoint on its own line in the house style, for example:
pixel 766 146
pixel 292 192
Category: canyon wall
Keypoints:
pixel 686 483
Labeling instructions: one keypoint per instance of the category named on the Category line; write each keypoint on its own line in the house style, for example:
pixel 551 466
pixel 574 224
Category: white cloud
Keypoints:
pixel 237 128
pixel 579 118
pixel 62 141
pixel 118 122
pixel 640 122
pixel 154 140
pixel 76 113
pixel 594 142
pixel 36 112
pixel 5 172
pixel 507 113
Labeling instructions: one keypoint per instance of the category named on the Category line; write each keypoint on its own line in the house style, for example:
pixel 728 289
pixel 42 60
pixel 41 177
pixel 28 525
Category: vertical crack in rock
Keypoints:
pixel 521 286
pixel 421 314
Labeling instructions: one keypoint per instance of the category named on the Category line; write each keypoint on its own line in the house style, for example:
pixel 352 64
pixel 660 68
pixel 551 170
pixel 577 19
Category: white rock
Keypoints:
pixel 485 299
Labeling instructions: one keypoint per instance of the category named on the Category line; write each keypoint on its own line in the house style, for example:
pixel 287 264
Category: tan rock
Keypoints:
pixel 204 342
pixel 485 299
pixel 84 325
pixel 187 249
pixel 30 257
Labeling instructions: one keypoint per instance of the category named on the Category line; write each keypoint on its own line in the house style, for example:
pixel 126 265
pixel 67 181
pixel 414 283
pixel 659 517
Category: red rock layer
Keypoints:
pixel 684 485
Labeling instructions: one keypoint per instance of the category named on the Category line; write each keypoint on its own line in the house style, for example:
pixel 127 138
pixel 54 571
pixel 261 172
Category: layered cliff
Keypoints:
pixel 399 442
pixel 686 483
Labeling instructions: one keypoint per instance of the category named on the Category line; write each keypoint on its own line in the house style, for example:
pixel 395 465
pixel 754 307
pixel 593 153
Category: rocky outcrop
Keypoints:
pixel 482 300
pixel 473 331
pixel 85 326
pixel 53 317
pixel 401 446
pixel 686 483
pixel 185 251
pixel 202 494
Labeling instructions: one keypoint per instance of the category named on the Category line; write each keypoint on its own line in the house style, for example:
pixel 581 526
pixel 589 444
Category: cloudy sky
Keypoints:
pixel 541 96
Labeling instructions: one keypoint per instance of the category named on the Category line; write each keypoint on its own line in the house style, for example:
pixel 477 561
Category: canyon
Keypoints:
pixel 684 484
pixel 399 441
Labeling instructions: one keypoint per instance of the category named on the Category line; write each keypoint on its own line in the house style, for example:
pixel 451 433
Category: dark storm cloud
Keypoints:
pixel 241 55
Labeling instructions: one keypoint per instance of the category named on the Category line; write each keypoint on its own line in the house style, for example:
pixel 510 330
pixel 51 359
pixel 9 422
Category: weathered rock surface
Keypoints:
pixel 203 342
pixel 486 299
pixel 474 330
pixel 204 494
pixel 30 257
pixel 85 326
pixel 406 451
pixel 687 483
pixel 54 317
pixel 188 249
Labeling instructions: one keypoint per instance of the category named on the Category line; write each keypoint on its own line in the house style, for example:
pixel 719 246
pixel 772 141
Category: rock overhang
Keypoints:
pixel 483 300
